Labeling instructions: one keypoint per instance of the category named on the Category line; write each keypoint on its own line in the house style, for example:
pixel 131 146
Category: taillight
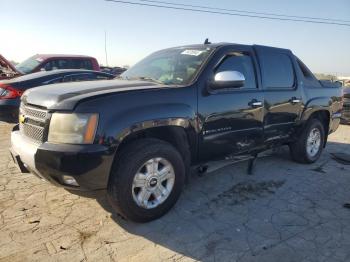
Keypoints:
pixel 8 92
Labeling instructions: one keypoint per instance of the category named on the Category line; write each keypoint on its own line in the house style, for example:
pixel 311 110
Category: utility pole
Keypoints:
pixel 106 48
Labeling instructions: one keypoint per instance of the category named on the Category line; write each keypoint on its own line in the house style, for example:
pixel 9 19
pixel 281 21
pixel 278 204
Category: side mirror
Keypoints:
pixel 227 79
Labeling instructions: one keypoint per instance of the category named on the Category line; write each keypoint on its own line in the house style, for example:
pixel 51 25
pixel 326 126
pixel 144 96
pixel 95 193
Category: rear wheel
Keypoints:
pixel 309 146
pixel 146 180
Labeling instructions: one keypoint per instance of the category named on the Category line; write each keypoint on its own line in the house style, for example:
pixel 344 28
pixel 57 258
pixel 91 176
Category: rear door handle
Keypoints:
pixel 255 103
pixel 295 100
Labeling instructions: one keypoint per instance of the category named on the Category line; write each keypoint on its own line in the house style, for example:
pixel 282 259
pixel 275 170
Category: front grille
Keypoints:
pixel 33 123
pixel 33 132
pixel 35 113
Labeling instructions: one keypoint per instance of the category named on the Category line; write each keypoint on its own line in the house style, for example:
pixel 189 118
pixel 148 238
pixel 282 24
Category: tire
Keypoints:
pixel 299 149
pixel 134 159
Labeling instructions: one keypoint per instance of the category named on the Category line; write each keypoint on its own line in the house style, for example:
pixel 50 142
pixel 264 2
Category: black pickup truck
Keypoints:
pixel 138 136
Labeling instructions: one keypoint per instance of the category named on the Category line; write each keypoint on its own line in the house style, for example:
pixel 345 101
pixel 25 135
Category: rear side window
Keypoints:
pixel 81 64
pixel 242 63
pixel 277 70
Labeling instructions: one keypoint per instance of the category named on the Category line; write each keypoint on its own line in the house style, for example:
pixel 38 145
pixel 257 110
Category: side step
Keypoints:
pixel 216 165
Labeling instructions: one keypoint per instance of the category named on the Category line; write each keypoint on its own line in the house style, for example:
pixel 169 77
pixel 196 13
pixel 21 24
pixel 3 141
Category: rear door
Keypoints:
pixel 232 119
pixel 283 100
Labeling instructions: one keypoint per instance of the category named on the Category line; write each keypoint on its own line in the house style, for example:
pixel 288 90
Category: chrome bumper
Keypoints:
pixel 23 151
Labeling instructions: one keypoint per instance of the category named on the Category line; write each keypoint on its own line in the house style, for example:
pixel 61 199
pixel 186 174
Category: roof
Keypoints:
pixel 221 44
pixel 45 56
pixel 212 45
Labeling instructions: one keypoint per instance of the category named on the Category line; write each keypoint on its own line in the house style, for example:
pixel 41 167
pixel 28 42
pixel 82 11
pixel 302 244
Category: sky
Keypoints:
pixel 31 27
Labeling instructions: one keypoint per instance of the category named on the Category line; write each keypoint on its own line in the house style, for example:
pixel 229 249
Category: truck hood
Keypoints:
pixel 65 96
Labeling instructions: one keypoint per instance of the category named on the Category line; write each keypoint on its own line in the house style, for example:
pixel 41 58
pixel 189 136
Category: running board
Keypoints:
pixel 213 166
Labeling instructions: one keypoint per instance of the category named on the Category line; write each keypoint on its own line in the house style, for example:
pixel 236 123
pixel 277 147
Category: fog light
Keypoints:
pixel 69 180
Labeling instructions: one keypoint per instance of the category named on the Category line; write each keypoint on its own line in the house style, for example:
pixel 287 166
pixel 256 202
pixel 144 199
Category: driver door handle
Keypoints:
pixel 255 103
pixel 295 100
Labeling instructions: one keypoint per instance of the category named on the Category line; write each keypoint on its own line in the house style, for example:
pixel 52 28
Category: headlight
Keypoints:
pixel 73 128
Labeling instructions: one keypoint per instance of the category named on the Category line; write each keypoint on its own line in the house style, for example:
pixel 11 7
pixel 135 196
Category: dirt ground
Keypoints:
pixel 284 212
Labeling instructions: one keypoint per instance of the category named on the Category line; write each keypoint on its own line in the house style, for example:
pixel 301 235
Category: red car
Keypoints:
pixel 51 62
pixel 47 63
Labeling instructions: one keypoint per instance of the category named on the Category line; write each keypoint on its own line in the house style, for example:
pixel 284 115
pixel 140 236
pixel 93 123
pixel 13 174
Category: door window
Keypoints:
pixel 56 64
pixel 47 66
pixel 81 64
pixel 242 63
pixel 277 70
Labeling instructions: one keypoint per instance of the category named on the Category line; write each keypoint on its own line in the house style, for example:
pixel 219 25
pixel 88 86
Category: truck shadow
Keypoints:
pixel 229 215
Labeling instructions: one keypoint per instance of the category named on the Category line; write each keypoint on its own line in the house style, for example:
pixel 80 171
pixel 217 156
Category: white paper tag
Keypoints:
pixel 192 52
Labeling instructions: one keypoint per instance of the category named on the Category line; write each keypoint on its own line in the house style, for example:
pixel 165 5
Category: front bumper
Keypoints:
pixel 89 165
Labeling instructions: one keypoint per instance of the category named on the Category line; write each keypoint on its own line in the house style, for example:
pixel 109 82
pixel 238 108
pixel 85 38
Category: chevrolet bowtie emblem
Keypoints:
pixel 22 119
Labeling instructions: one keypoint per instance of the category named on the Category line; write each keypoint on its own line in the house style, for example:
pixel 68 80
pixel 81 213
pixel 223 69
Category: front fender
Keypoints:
pixel 122 124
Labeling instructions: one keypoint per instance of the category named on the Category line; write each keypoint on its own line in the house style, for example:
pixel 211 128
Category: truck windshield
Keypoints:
pixel 28 65
pixel 178 66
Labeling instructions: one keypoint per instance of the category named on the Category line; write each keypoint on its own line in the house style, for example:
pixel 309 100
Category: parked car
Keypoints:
pixel 12 89
pixel 113 70
pixel 346 107
pixel 7 70
pixel 138 136
pixel 50 62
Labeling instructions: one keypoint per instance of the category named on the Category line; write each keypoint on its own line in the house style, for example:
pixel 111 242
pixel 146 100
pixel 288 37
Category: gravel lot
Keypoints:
pixel 284 212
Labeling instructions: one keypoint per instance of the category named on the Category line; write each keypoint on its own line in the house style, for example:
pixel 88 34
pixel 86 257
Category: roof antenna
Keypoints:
pixel 206 42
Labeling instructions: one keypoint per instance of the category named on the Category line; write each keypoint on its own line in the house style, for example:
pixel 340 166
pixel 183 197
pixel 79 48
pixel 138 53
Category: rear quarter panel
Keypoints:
pixel 323 98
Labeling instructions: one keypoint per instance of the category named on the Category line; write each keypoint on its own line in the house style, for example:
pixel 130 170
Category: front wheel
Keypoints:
pixel 146 180
pixel 309 146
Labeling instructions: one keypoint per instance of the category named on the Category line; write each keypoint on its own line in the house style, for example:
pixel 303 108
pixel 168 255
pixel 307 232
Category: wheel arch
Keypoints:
pixel 323 115
pixel 179 132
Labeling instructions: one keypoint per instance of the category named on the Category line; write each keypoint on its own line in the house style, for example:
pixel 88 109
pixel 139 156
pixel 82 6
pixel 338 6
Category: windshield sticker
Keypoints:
pixel 192 52
pixel 39 59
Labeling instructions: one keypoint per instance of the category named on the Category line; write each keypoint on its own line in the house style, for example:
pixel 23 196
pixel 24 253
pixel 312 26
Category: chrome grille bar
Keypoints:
pixel 33 124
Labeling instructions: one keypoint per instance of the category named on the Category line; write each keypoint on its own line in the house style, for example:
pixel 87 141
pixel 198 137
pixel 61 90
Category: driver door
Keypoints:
pixel 232 117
